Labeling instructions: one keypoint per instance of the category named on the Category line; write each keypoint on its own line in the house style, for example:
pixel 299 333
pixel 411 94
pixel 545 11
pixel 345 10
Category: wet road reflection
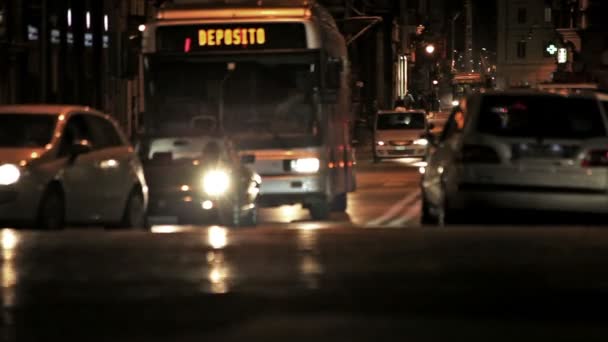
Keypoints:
pixel 219 270
pixel 310 267
pixel 9 241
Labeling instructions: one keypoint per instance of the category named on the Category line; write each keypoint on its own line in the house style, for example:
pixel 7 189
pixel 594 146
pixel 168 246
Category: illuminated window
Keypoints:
pixel 548 13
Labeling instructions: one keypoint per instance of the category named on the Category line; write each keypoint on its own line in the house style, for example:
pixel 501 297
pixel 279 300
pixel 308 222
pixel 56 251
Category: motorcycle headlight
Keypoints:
pixel 305 165
pixel 9 174
pixel 216 182
pixel 422 142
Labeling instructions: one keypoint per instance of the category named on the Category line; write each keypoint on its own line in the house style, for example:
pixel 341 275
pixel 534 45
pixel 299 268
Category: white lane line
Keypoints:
pixel 408 216
pixel 394 210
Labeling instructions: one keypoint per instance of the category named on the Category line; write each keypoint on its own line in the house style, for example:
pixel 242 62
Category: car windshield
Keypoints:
pixel 179 150
pixel 401 121
pixel 541 116
pixel 26 130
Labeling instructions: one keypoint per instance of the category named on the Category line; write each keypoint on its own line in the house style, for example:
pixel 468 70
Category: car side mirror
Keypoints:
pixel 333 71
pixel 248 159
pixel 80 147
pixel 332 80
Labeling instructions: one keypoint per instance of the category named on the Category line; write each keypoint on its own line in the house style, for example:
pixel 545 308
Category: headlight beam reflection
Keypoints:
pixel 218 274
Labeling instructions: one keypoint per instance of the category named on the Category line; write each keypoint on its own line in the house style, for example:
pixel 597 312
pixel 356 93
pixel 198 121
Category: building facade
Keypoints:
pixel 68 51
pixel 525 30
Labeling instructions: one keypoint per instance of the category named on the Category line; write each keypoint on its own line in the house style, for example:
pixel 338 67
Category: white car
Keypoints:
pixel 400 134
pixel 520 150
pixel 67 165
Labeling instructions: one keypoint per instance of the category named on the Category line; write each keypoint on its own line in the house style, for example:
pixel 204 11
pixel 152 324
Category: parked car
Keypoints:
pixel 400 134
pixel 519 150
pixel 198 179
pixel 67 165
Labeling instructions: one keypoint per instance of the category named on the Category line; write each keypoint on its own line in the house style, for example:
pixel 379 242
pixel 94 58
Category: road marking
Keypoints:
pixel 394 210
pixel 394 184
pixel 407 217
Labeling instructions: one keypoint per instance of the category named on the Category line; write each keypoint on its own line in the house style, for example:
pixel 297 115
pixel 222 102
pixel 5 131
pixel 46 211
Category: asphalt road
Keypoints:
pixel 334 284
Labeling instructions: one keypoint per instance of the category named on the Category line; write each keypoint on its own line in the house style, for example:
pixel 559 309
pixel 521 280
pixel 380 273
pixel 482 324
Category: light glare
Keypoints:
pixel 216 182
pixel 9 174
pixel 217 237
pixel 305 165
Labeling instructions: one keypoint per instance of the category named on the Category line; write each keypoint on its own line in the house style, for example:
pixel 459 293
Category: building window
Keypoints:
pixel 522 15
pixel 521 49
pixel 548 14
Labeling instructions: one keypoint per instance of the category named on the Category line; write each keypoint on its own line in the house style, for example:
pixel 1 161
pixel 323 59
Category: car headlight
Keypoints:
pixel 9 174
pixel 422 142
pixel 216 182
pixel 380 143
pixel 305 165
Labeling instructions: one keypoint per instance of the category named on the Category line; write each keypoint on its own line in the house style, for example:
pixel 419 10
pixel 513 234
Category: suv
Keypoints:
pixel 519 150
pixel 67 164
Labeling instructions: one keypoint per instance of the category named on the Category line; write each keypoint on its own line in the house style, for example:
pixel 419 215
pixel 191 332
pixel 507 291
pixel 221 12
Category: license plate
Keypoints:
pixel 400 148
pixel 542 151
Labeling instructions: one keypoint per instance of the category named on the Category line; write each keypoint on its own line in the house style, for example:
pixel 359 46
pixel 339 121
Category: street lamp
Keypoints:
pixel 430 49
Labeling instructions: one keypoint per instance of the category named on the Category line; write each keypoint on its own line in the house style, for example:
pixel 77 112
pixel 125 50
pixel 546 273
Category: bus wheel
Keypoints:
pixel 340 203
pixel 319 211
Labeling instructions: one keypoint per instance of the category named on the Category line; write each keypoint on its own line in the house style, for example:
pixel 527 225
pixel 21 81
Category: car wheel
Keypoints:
pixel 134 215
pixel 426 217
pixel 447 216
pixel 319 210
pixel 51 213
pixel 340 203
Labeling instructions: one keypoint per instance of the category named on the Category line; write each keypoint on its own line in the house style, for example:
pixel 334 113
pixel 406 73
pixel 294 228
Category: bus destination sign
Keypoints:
pixel 231 37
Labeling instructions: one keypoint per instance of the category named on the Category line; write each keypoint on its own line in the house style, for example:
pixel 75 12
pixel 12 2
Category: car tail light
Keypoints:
pixel 595 158
pixel 479 154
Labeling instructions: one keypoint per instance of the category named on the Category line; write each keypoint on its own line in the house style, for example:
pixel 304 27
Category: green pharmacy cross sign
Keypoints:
pixel 552 49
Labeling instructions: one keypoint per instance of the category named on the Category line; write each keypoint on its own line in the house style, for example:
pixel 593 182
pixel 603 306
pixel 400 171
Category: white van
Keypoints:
pixel 400 134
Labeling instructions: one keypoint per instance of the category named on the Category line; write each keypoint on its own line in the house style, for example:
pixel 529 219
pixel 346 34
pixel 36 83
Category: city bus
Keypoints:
pixel 464 84
pixel 272 77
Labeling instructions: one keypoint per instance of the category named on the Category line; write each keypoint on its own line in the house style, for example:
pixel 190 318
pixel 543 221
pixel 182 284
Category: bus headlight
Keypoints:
pixel 9 174
pixel 305 165
pixel 422 142
pixel 216 182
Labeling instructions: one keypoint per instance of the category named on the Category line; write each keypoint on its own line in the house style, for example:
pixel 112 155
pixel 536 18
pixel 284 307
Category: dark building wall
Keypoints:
pixel 42 64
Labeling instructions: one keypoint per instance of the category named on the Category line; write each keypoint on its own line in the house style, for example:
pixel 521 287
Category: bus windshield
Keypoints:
pixel 253 100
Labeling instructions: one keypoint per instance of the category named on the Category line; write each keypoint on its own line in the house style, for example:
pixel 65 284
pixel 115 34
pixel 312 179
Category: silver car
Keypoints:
pixel 519 150
pixel 400 134
pixel 67 165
